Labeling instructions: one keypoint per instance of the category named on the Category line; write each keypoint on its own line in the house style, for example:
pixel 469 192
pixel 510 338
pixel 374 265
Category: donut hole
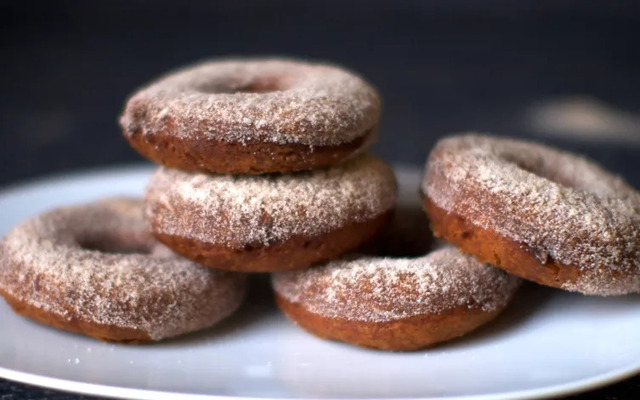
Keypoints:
pixel 265 84
pixel 115 244
pixel 543 170
pixel 260 86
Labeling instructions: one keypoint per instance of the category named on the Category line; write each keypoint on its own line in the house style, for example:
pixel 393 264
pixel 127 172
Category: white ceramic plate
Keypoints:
pixel 547 343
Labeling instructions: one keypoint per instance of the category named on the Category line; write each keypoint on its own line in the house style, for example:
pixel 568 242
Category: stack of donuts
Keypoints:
pixel 265 170
pixel 264 163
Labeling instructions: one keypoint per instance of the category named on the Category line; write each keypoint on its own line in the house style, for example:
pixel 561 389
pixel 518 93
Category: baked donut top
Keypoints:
pixel 256 100
pixel 564 206
pixel 376 289
pixel 98 263
pixel 241 210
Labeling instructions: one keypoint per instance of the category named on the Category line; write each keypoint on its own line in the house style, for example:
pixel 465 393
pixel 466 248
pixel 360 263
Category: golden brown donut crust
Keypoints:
pixel 407 334
pixel 270 223
pixel 105 332
pixel 253 116
pixel 543 214
pixel 237 158
pixel 395 303
pixel 490 247
pixel 95 269
pixel 298 252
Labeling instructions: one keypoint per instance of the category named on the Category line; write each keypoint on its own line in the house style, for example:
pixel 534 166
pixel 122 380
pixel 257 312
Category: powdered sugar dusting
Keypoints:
pixel 263 210
pixel 563 206
pixel 256 100
pixel 46 262
pixel 374 289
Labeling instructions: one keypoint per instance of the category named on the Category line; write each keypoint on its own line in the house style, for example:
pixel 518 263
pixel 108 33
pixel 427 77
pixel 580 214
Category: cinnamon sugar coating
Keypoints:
pixel 395 303
pixel 297 252
pixel 565 211
pixel 300 115
pixel 260 211
pixel 392 300
pixel 96 270
pixel 379 289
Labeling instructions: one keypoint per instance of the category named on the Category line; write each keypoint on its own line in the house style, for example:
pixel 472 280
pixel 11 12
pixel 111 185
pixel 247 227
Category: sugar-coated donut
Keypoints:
pixel 96 270
pixel 395 303
pixel 253 116
pixel 270 223
pixel 539 213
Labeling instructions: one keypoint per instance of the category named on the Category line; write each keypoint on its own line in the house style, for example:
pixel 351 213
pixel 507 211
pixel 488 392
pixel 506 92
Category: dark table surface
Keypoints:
pixel 441 67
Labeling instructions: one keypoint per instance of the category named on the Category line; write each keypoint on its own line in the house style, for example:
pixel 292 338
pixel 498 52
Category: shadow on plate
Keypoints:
pixel 528 301
pixel 257 307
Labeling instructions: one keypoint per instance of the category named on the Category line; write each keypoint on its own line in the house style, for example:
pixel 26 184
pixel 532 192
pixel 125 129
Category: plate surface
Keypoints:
pixel 546 343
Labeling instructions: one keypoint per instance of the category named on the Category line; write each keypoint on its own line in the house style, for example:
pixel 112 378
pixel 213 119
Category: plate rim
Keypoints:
pixel 121 392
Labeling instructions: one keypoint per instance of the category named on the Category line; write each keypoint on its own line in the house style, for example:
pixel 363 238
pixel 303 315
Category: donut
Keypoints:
pixel 545 215
pixel 95 269
pixel 252 116
pixel 273 222
pixel 397 304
